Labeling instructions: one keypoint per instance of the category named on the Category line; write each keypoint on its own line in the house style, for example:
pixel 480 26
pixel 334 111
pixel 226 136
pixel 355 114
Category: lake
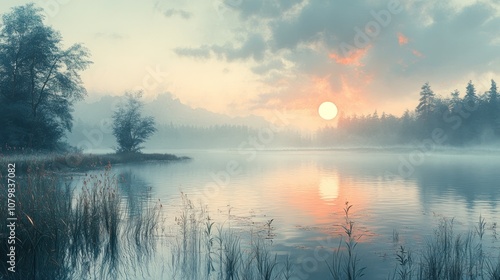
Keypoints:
pixel 398 198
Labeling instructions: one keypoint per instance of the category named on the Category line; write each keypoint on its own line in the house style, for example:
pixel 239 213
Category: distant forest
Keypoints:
pixel 455 120
pixel 449 121
pixel 173 136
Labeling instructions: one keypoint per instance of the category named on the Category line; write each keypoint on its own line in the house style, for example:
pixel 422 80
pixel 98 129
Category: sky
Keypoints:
pixel 261 57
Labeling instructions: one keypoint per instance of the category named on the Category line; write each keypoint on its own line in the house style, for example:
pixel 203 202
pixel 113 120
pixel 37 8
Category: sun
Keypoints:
pixel 328 110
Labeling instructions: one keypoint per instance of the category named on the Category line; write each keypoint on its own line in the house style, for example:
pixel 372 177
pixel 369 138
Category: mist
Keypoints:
pixel 438 120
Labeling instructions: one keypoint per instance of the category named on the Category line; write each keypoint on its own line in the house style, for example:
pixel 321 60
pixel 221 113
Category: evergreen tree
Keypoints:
pixel 455 100
pixel 470 98
pixel 494 108
pixel 427 102
pixel 493 92
pixel 471 104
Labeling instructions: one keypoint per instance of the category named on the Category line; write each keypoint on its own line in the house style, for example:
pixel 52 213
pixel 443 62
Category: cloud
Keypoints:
pixel 110 35
pixel 262 9
pixel 453 45
pixel 402 39
pixel 437 41
pixel 417 53
pixel 353 58
pixel 456 45
pixel 253 47
pixel 331 22
pixel 177 12
pixel 202 52
pixel 266 67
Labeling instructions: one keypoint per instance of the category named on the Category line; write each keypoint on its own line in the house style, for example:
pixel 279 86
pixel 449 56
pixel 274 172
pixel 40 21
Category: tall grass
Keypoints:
pixel 345 262
pixel 450 256
pixel 64 235
pixel 203 249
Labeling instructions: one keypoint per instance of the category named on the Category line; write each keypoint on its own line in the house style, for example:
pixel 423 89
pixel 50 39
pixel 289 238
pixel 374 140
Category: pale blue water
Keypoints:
pixel 305 192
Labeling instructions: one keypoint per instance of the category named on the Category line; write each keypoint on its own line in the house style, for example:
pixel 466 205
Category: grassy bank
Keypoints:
pixel 78 161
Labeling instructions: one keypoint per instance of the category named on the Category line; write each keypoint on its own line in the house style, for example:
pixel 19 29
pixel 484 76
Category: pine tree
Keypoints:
pixel 455 96
pixel 470 97
pixel 427 102
pixel 472 122
pixel 494 107
pixel 493 93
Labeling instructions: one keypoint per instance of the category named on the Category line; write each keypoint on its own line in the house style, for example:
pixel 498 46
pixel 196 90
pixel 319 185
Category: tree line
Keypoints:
pixel 177 136
pixel 468 119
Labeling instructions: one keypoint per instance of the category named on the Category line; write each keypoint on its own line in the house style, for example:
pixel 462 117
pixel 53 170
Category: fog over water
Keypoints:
pixel 305 193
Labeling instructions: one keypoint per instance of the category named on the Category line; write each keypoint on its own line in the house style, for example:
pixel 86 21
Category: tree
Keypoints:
pixel 427 102
pixel 455 99
pixel 493 92
pixel 130 128
pixel 39 80
pixel 494 107
pixel 470 97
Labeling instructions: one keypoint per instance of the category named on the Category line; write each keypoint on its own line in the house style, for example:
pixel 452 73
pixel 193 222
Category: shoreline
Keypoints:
pixel 75 162
pixel 393 149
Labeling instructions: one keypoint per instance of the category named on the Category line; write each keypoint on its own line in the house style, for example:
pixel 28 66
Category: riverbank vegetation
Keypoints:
pixel 63 232
pixel 78 162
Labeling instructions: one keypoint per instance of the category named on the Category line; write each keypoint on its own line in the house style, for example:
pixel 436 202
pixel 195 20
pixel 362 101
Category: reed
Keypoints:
pixel 345 262
pixel 204 249
pixel 493 269
pixel 266 262
pixel 64 234
pixel 450 256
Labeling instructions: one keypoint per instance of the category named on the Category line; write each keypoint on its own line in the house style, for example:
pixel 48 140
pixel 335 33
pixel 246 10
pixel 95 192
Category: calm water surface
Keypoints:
pixel 305 193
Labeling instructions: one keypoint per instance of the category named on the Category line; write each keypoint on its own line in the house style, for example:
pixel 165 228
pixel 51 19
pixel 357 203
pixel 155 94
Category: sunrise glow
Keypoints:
pixel 248 60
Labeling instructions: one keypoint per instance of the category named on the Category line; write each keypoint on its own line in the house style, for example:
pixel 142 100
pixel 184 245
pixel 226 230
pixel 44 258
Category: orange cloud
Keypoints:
pixel 352 58
pixel 300 97
pixel 402 39
pixel 417 53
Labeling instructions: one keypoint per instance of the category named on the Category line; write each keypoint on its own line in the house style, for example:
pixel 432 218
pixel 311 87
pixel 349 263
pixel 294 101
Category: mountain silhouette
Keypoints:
pixel 167 110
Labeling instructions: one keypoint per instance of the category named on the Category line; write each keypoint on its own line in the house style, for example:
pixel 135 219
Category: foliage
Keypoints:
pixel 64 232
pixel 427 102
pixel 345 261
pixel 39 80
pixel 130 128
pixel 468 120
